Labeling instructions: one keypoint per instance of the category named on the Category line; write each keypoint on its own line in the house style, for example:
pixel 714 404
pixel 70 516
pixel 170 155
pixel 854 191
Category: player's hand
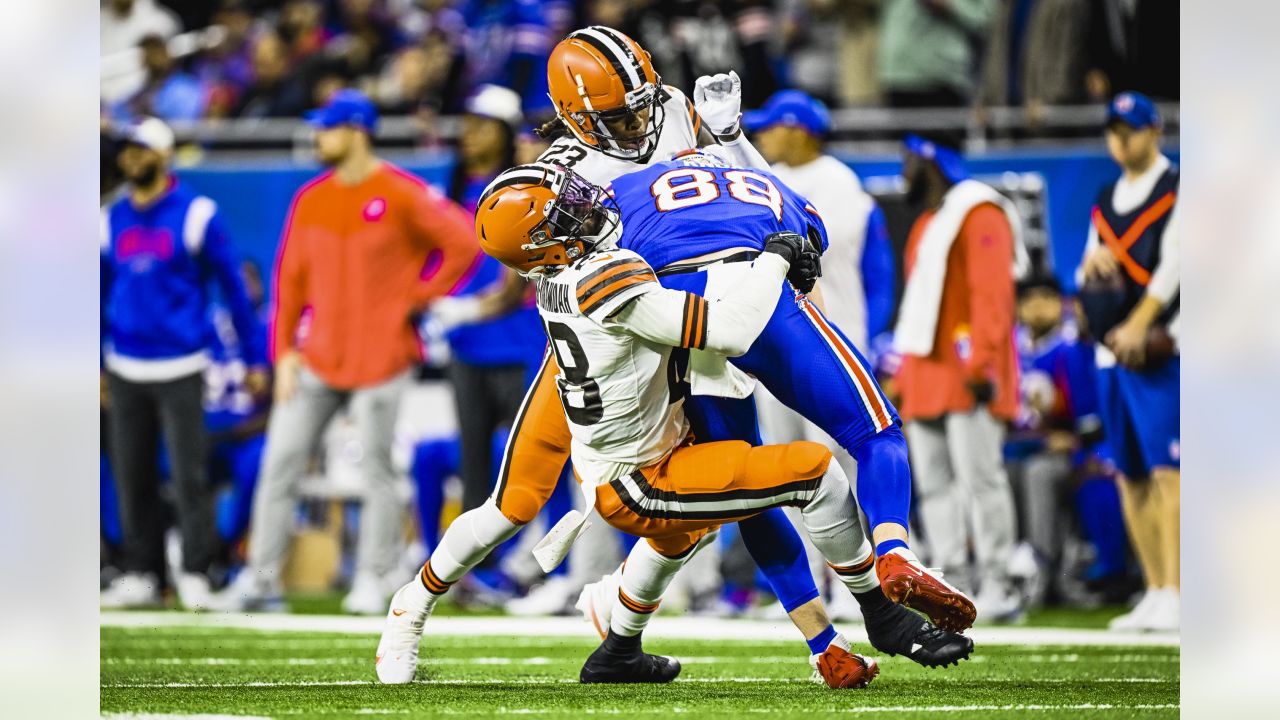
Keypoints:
pixel 288 374
pixel 805 263
pixel 1101 263
pixel 718 100
pixel 1128 341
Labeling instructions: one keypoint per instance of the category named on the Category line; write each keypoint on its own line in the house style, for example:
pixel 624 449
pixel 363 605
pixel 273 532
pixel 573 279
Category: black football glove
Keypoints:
pixel 806 264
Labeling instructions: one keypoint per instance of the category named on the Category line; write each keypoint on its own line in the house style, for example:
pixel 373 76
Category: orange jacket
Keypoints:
pixel 975 322
pixel 362 259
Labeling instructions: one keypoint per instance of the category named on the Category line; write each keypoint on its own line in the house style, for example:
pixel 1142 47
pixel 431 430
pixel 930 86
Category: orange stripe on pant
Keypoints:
pixel 874 404
pixel 694 473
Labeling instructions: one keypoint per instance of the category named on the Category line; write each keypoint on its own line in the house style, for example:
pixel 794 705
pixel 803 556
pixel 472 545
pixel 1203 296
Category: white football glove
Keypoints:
pixel 718 99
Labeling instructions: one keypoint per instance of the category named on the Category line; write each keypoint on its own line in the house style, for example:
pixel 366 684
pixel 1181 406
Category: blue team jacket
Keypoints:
pixel 158 264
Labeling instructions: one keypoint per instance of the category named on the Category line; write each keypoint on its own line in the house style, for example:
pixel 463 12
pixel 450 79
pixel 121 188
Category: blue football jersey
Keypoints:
pixel 696 204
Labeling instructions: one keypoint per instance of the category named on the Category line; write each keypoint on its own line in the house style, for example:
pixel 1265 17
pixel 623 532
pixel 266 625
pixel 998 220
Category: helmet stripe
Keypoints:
pixel 626 44
pixel 614 53
pixel 532 174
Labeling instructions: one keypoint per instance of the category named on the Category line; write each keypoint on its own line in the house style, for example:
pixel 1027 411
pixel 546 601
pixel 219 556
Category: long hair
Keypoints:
pixel 458 179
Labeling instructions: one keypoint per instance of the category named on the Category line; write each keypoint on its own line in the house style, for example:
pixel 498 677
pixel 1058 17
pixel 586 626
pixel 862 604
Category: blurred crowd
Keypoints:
pixel 278 58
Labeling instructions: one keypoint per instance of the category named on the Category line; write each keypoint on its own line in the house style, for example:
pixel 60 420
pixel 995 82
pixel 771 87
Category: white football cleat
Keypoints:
pixel 997 603
pixel 249 592
pixel 1165 612
pixel 397 655
pixel 131 590
pixel 596 601
pixel 194 592
pixel 550 598
pixel 1136 618
pixel 366 597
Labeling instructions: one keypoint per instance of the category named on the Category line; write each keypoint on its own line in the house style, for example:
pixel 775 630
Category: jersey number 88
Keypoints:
pixel 689 187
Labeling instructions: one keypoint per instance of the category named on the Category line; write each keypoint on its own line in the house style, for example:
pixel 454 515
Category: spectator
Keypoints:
pixel 235 411
pixel 1037 55
pixel 1133 44
pixel 508 43
pixel 161 246
pixel 1056 450
pixel 364 35
pixel 365 248
pixel 124 23
pixel 168 93
pixel 822 34
pixel 302 28
pixel 277 90
pixel 928 50
pixel 227 68
pixel 1130 291
pixel 959 375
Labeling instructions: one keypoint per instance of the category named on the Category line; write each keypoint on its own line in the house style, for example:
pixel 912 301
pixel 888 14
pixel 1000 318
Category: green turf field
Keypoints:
pixel 216 671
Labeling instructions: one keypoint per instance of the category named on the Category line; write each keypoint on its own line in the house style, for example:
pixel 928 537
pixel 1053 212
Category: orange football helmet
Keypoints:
pixel 602 83
pixel 539 218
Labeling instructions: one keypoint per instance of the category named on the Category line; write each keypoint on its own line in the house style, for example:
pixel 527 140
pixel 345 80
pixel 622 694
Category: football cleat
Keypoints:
pixel 621 660
pixel 397 654
pixel 909 583
pixel 596 602
pixel 898 631
pixel 841 669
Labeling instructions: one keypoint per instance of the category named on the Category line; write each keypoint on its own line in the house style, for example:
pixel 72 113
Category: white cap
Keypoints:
pixel 497 102
pixel 151 133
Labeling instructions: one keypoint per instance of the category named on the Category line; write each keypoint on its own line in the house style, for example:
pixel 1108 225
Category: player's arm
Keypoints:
pixel 878 273
pixel 224 266
pixel 727 325
pixel 445 231
pixel 717 108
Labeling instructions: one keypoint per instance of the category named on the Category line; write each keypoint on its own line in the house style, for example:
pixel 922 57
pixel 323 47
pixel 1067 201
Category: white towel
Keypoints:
pixel 922 298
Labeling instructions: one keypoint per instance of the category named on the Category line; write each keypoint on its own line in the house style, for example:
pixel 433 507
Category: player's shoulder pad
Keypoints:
pixel 605 281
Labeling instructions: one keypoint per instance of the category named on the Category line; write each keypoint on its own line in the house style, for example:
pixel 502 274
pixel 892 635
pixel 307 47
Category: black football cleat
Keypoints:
pixel 895 630
pixel 622 660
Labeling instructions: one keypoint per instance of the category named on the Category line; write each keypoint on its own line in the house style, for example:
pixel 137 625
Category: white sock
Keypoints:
pixel 465 543
pixel 906 554
pixel 645 576
pixel 831 519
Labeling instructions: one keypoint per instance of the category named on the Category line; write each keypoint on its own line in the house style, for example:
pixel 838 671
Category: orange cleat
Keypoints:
pixel 909 583
pixel 843 670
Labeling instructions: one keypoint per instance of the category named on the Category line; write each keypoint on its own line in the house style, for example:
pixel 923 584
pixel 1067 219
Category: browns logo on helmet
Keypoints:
pixel 538 218
pixel 607 92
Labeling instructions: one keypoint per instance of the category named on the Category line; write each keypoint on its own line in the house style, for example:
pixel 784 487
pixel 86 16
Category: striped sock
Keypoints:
pixel 860 575
pixel 434 585
pixel 645 576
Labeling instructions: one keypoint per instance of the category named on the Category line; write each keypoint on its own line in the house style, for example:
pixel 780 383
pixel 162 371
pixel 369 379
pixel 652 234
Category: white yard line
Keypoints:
pixel 672 628
pixel 566 681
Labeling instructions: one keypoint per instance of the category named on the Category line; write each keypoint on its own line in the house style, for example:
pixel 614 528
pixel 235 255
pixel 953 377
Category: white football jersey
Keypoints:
pixel 678 133
pixel 621 393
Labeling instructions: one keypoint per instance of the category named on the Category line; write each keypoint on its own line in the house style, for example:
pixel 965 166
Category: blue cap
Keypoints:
pixel 1133 109
pixel 345 107
pixel 949 161
pixel 790 107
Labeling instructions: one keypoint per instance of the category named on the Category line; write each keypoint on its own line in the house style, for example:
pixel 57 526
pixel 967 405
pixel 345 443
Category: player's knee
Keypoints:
pixel 518 505
pixel 806 459
pixel 676 547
